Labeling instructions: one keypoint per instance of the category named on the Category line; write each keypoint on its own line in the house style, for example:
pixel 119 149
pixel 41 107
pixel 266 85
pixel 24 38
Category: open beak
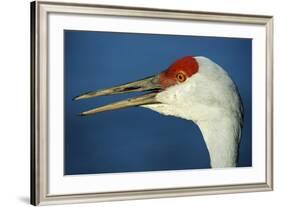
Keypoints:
pixel 150 85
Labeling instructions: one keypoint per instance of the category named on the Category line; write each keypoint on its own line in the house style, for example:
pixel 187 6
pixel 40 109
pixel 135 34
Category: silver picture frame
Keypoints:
pixel 39 100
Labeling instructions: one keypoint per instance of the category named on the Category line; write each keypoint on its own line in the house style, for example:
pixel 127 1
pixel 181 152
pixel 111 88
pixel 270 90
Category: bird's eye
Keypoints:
pixel 181 77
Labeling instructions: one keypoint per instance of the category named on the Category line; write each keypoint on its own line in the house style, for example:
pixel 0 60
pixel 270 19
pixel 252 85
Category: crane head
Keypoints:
pixel 192 88
pixel 177 73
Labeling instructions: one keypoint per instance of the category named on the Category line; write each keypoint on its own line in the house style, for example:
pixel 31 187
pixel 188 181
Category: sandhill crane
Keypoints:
pixel 191 88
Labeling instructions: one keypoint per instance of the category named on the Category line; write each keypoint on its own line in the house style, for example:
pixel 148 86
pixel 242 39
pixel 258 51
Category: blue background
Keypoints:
pixel 137 139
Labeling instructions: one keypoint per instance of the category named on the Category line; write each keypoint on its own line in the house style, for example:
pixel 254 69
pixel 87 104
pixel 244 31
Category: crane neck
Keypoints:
pixel 222 138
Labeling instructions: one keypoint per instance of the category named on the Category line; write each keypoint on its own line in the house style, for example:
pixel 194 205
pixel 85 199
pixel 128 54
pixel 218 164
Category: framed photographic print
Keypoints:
pixel 133 103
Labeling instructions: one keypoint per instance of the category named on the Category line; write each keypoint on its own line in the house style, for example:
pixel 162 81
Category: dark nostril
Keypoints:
pixel 132 88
